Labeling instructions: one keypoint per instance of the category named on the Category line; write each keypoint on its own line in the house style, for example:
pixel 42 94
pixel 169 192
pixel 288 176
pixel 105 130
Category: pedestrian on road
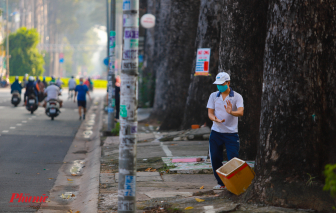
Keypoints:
pixel 82 90
pixel 224 108
pixel 72 85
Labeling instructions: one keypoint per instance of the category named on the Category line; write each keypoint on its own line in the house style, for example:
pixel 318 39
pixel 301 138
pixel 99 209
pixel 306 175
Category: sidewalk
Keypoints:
pixel 163 188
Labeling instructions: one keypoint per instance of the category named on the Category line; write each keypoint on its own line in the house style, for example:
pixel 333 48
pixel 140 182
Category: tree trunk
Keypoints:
pixel 297 130
pixel 177 50
pixel 200 88
pixel 241 55
pixel 148 73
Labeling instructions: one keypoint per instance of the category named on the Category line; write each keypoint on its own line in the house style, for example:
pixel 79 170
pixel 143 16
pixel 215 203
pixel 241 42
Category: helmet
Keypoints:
pixel 31 78
pixel 16 77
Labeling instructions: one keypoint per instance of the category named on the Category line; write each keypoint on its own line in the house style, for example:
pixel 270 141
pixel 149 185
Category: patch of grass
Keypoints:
pixel 166 168
pixel 330 181
pixel 310 181
pixel 116 129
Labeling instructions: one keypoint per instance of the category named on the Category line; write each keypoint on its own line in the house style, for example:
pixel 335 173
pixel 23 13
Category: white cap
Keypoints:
pixel 221 78
pixel 31 78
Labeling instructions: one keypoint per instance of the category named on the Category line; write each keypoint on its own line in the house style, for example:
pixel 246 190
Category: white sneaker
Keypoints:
pixel 219 187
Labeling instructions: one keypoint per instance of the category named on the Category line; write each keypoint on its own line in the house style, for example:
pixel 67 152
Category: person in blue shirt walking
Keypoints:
pixel 82 90
pixel 16 86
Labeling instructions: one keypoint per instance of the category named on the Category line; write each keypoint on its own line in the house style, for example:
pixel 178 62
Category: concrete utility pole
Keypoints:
pixel 128 108
pixel 7 43
pixel 111 72
pixel 107 26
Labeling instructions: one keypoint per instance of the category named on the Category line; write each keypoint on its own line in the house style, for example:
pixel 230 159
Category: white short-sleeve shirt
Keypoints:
pixel 216 102
pixel 52 92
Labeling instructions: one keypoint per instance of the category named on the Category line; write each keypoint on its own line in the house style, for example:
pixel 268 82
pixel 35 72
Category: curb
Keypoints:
pixel 79 175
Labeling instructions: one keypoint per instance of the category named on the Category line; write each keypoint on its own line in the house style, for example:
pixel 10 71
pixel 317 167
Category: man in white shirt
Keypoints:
pixel 52 92
pixel 224 108
pixel 72 85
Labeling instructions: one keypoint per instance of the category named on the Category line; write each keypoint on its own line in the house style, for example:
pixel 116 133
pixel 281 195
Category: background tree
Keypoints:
pixel 243 32
pixel 176 38
pixel 25 57
pixel 298 111
pixel 200 88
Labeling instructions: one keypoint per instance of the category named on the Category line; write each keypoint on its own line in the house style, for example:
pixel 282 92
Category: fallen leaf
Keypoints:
pixel 147 170
pixel 73 195
pixel 50 178
pixel 153 170
pixel 77 211
pixel 38 173
pixel 199 200
pixel 202 187
pixel 75 145
pixel 103 164
pixel 64 162
pixel 189 207
pixel 69 179
pixel 73 174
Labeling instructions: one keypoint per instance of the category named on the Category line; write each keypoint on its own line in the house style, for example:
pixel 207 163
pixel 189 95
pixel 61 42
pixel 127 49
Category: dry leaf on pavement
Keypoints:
pixel 202 187
pixel 147 170
pixel 189 207
pixel 199 200
pixel 73 174
pixel 153 170
pixel 69 179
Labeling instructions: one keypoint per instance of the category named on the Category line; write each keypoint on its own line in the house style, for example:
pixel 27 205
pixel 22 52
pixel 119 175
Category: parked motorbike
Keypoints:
pixel 52 109
pixel 31 104
pixel 16 98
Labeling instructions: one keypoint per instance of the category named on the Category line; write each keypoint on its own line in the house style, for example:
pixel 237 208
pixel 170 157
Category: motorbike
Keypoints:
pixel 31 104
pixel 16 98
pixel 52 109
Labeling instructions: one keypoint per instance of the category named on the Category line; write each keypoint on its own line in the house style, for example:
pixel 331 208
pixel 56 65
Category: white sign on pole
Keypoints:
pixel 148 21
pixel 203 61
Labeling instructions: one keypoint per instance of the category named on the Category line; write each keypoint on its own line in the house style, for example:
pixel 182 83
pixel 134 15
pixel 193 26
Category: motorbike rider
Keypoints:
pixel 16 86
pixel 52 92
pixel 45 82
pixel 59 83
pixel 31 89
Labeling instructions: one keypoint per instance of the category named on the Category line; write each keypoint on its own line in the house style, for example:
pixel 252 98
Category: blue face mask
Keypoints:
pixel 81 82
pixel 222 88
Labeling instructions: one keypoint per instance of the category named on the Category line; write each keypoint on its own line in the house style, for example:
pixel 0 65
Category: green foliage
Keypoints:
pixel 116 129
pixel 310 181
pixel 330 182
pixel 25 57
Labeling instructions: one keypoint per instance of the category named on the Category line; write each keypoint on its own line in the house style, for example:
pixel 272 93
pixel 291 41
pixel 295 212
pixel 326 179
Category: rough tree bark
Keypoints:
pixel 297 127
pixel 241 55
pixel 148 72
pixel 200 88
pixel 178 49
pixel 159 60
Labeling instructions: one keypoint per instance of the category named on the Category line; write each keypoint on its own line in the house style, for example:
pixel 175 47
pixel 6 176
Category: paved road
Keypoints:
pixel 32 149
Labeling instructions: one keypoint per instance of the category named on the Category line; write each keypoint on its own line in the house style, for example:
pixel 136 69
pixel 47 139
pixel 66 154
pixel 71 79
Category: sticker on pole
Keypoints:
pixel 123 111
pixel 130 5
pixel 129 186
pixel 203 61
